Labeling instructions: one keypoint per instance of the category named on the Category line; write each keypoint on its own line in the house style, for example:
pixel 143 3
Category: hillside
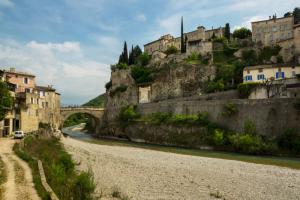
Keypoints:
pixel 98 101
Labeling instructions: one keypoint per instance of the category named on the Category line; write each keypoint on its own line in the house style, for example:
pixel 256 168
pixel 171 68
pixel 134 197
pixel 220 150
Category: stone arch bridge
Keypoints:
pixel 95 113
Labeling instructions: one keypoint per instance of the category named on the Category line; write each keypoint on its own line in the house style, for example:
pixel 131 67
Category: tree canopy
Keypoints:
pixel 242 33
pixel 296 14
pixel 5 100
pixel 124 56
pixel 227 31
pixel 134 55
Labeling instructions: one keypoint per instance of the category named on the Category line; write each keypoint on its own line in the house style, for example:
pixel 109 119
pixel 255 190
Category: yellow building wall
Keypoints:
pixel 269 72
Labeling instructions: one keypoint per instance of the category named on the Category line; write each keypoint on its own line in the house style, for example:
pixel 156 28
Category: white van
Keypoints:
pixel 18 134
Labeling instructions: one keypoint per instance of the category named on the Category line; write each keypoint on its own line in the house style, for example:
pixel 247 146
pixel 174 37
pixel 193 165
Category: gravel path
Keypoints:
pixel 147 174
pixel 19 185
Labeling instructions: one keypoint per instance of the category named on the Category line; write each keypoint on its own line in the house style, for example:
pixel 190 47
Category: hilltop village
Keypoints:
pixel 245 82
pixel 34 106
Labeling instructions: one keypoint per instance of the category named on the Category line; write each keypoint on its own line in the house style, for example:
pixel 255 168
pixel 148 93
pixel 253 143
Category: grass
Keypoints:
pixel 35 172
pixel 3 177
pixel 59 168
pixel 293 163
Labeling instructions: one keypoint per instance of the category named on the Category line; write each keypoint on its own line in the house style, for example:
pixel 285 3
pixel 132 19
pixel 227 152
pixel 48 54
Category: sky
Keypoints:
pixel 71 44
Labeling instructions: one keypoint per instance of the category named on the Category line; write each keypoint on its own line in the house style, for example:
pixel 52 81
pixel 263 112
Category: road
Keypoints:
pixel 19 185
pixel 150 175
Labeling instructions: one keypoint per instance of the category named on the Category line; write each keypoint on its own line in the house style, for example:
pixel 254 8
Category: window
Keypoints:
pixel 293 74
pixel 248 78
pixel 31 100
pixel 26 80
pixel 27 90
pixel 260 70
pixel 274 29
pixel 260 77
pixel 279 75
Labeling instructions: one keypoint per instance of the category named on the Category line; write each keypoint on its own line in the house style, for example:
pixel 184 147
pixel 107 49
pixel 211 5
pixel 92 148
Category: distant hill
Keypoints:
pixel 98 101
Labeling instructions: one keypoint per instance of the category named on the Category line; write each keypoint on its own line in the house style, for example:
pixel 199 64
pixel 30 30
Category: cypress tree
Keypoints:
pixel 182 39
pixel 136 53
pixel 125 54
pixel 227 31
pixel 296 14
pixel 131 56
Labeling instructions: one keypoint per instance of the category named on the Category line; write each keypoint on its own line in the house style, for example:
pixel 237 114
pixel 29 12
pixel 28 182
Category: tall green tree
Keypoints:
pixel 131 57
pixel 296 14
pixel 242 33
pixel 5 100
pixel 227 31
pixel 125 53
pixel 182 37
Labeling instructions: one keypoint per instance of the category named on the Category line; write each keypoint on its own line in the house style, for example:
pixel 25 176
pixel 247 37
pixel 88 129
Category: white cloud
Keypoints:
pixel 247 21
pixel 170 24
pixel 73 74
pixel 141 18
pixel 6 3
pixel 60 47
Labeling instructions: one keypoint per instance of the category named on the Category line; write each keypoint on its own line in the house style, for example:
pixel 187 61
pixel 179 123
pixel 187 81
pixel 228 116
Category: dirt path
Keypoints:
pixel 19 183
pixel 150 175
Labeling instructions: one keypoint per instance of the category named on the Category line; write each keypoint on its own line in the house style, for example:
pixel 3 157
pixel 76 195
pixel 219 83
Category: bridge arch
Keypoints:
pixel 95 113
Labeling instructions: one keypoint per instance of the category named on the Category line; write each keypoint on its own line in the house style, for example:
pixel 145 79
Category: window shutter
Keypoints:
pixel 282 74
pixel 276 75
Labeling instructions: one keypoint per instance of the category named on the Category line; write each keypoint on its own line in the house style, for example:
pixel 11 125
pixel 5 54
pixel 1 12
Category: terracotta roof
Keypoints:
pixel 18 73
pixel 272 19
pixel 45 88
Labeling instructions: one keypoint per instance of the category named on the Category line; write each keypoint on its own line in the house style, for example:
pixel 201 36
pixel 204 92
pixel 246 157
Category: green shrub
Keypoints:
pixel 245 89
pixel 229 110
pixel 242 33
pixel 144 59
pixel 44 125
pixel 128 114
pixel 108 85
pixel 215 86
pixel 249 127
pixel 184 119
pixel 171 50
pixel 203 118
pixel 249 57
pixel 267 52
pixel 218 137
pixel 119 66
pixel 220 40
pixel 118 90
pixel 280 59
pixel 290 140
pixel 161 117
pixel 142 75
pixel 247 143
pixel 84 186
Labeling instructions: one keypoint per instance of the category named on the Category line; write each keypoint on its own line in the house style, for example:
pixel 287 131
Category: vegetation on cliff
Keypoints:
pixel 96 102
pixel 59 169
pixel 6 100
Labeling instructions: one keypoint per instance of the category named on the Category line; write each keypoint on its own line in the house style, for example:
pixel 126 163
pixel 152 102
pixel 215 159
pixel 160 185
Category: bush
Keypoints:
pixel 203 118
pixel 220 40
pixel 119 66
pixel 245 89
pixel 249 127
pixel 144 59
pixel 267 52
pixel 290 140
pixel 215 86
pixel 242 33
pixel 118 90
pixel 142 75
pixel 161 117
pixel 128 114
pixel 84 186
pixel 229 110
pixel 171 50
pixel 247 143
pixel 249 57
pixel 218 137
pixel 108 85
pixel 184 119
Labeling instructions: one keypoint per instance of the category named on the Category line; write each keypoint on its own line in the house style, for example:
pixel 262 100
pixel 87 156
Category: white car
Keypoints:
pixel 18 134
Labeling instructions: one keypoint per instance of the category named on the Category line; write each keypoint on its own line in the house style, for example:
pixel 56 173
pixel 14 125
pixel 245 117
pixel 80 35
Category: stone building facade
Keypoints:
pixel 279 31
pixel 32 104
pixel 197 41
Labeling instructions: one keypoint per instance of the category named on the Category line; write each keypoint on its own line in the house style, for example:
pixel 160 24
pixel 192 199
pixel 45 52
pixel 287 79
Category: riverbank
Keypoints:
pixel 141 173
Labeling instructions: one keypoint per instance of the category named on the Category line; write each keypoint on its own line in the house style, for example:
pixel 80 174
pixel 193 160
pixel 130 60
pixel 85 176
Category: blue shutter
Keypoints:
pixel 258 77
pixel 276 75
pixel 282 74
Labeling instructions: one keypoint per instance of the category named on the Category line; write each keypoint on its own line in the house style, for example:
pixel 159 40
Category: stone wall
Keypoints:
pixel 270 117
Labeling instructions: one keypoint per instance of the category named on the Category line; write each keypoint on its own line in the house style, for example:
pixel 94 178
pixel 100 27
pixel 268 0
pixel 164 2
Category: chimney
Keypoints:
pixel 12 69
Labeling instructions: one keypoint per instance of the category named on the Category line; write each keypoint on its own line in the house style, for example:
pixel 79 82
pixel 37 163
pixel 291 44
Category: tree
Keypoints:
pixel 171 50
pixel 296 14
pixel 136 53
pixel 242 33
pixel 227 31
pixel 130 61
pixel 5 100
pixel 182 37
pixel 124 56
pixel 144 59
pixel 288 14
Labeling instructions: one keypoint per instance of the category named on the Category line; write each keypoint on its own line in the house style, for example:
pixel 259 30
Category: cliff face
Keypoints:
pixel 181 80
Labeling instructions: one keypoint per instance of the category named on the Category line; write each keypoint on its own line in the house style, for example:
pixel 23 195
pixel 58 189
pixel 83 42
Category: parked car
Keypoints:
pixel 18 134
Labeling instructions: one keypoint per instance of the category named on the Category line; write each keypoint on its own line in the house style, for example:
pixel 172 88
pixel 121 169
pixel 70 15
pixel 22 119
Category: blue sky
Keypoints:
pixel 70 44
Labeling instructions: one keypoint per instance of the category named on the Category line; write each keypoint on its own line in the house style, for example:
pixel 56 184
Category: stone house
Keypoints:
pixel 32 104
pixel 197 41
pixel 278 31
